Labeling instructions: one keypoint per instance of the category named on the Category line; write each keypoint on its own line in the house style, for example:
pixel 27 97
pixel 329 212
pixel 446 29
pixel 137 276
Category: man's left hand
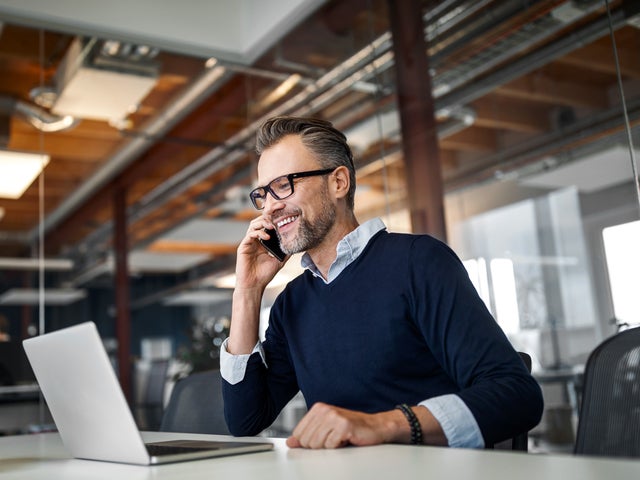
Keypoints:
pixel 326 426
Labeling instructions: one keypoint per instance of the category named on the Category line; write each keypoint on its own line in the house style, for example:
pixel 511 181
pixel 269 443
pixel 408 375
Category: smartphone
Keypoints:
pixel 273 244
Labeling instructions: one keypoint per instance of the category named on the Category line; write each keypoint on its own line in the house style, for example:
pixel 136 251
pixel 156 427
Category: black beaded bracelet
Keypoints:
pixel 416 429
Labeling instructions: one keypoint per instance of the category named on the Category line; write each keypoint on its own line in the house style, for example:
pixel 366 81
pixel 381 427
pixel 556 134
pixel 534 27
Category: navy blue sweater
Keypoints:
pixel 400 324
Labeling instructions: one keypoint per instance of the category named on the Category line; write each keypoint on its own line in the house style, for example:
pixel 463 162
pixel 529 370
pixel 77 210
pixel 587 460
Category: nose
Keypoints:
pixel 271 204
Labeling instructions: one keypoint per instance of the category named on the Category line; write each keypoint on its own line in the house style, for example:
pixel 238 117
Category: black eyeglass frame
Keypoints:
pixel 257 192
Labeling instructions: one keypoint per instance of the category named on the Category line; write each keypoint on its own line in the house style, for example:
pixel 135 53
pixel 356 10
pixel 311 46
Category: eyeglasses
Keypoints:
pixel 281 187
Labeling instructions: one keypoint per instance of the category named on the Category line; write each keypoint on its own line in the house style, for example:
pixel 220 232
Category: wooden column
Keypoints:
pixel 419 133
pixel 123 316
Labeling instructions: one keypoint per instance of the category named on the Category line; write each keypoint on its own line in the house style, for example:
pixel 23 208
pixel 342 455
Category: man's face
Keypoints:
pixel 303 219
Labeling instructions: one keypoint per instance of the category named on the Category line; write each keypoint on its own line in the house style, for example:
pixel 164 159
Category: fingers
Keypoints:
pixel 293 442
pixel 324 426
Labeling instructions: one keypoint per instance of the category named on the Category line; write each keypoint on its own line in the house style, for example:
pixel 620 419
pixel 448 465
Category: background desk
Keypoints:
pixel 42 456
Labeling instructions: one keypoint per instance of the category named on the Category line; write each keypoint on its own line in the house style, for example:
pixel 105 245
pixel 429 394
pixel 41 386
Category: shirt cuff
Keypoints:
pixel 457 422
pixel 233 367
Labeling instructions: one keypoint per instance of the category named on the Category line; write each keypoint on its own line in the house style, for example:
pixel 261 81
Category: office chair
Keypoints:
pixel 609 421
pixel 521 441
pixel 196 405
pixel 151 406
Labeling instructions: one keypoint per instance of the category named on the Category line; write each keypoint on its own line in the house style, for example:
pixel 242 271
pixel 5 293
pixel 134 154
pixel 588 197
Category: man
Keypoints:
pixel 383 333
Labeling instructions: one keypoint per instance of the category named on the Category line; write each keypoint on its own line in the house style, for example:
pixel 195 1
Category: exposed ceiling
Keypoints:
pixel 519 88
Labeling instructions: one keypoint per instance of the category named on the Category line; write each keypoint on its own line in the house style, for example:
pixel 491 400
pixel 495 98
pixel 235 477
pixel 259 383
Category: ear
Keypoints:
pixel 341 182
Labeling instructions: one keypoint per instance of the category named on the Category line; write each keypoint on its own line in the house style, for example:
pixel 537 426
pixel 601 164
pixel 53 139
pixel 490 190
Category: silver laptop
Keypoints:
pixel 90 411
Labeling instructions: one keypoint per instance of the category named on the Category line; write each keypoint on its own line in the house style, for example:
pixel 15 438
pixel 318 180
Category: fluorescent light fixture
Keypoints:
pixel 31 296
pixel 18 170
pixel 280 91
pixel 58 264
pixel 198 297
pixel 225 281
pixel 290 271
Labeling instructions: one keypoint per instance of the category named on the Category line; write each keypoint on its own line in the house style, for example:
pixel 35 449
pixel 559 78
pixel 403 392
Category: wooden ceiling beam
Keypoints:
pixel 76 148
pixel 473 139
pixel 600 57
pixel 509 114
pixel 170 246
pixel 543 88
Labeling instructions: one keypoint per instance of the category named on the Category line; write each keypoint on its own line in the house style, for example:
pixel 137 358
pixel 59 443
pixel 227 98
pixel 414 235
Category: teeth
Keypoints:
pixel 285 221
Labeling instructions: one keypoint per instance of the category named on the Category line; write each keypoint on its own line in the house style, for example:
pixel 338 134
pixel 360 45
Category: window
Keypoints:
pixel 621 246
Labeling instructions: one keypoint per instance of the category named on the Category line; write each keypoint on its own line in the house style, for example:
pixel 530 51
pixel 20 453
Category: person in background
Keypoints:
pixel 383 333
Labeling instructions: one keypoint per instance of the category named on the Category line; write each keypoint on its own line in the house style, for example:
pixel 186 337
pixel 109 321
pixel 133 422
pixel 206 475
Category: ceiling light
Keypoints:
pixel 280 91
pixel 18 170
pixel 57 264
pixel 31 296
pixel 198 297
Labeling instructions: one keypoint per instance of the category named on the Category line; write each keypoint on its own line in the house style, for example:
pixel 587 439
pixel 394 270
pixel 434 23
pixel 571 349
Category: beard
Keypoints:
pixel 311 234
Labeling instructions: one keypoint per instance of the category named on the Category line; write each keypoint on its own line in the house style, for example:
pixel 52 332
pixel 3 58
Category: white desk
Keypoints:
pixel 42 456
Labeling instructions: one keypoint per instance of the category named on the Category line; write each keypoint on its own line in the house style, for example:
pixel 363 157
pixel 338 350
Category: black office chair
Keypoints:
pixel 609 422
pixel 196 405
pixel 519 442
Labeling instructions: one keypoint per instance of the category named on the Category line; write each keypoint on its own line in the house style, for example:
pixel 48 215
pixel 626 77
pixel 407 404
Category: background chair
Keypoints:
pixel 519 442
pixel 150 408
pixel 609 422
pixel 196 405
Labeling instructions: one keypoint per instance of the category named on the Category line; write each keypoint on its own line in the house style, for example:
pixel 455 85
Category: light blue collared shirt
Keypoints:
pixel 457 422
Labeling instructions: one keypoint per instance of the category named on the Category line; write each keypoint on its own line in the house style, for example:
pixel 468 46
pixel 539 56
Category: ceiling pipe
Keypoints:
pixel 508 162
pixel 44 120
pixel 37 116
pixel 583 36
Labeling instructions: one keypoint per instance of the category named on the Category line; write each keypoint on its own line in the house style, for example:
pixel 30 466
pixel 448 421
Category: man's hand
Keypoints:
pixel 326 426
pixel 255 267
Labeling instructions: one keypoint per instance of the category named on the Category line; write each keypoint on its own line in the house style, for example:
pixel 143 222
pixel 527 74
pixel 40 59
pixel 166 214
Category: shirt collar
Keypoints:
pixel 347 250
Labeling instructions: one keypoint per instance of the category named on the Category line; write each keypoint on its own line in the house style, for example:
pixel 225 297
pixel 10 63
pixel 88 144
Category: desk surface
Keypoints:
pixel 42 456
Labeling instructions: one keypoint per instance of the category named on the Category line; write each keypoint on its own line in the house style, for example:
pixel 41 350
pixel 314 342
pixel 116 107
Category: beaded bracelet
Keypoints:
pixel 416 429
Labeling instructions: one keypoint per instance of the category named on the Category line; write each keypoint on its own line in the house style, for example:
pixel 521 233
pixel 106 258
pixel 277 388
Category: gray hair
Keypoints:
pixel 327 144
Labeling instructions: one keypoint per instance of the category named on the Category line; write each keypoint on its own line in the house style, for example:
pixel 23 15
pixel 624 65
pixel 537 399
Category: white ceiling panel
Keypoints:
pixel 238 30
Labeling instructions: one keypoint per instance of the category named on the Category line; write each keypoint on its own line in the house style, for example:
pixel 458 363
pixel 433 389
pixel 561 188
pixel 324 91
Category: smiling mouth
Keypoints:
pixel 285 221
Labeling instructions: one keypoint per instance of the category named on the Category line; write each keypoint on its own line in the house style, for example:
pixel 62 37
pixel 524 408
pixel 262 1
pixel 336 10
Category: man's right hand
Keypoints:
pixel 255 268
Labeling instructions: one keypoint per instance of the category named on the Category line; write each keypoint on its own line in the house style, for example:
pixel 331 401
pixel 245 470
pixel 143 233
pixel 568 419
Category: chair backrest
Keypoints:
pixel 609 422
pixel 156 382
pixel 149 408
pixel 196 405
pixel 521 441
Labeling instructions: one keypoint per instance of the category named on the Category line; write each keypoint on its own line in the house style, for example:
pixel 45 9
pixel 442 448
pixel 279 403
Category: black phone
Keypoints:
pixel 273 244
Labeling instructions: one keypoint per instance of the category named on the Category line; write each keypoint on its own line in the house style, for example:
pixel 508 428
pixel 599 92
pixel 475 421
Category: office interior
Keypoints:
pixel 140 118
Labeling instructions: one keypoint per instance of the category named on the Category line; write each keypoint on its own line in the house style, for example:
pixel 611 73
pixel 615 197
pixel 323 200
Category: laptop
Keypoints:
pixel 90 411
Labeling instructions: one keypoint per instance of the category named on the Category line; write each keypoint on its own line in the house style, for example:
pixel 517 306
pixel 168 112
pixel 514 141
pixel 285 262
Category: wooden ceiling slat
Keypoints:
pixel 542 88
pixel 472 139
